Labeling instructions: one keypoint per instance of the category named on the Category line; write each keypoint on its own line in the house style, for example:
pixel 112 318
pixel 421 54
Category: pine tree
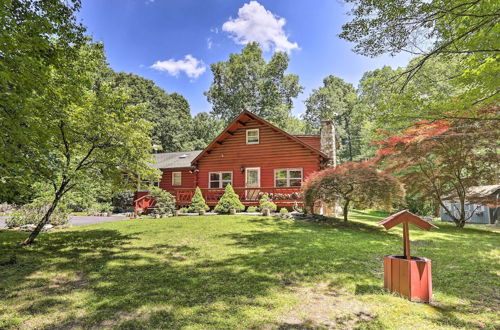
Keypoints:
pixel 228 201
pixel 198 203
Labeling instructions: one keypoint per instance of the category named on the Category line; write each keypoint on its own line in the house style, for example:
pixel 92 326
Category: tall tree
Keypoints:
pixel 204 128
pixel 169 113
pixel 247 81
pixel 433 29
pixel 336 100
pixel 36 38
pixel 89 132
pixel 442 158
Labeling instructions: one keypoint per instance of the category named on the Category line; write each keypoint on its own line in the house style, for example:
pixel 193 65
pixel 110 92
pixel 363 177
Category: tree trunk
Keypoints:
pixel 346 210
pixel 47 215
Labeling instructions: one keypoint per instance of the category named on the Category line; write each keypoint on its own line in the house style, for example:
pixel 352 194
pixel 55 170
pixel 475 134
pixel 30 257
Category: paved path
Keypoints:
pixel 80 220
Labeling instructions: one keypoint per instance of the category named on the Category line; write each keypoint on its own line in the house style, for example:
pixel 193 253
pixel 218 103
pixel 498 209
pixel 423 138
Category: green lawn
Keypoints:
pixel 243 272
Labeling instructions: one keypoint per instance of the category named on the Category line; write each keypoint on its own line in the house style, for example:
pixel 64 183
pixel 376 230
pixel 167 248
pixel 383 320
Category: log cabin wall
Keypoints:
pixel 188 178
pixel 274 151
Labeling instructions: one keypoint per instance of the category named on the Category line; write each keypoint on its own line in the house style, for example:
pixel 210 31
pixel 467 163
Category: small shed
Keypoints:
pixel 482 205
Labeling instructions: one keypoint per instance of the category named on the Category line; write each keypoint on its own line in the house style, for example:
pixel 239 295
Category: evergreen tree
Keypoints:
pixel 228 201
pixel 198 202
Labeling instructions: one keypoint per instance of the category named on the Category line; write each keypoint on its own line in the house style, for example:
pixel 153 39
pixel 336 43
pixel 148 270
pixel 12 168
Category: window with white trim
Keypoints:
pixel 220 179
pixel 288 177
pixel 253 136
pixel 176 178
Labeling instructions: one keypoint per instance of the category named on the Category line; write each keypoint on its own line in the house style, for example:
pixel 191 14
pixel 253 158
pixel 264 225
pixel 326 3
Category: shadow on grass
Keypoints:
pixel 182 288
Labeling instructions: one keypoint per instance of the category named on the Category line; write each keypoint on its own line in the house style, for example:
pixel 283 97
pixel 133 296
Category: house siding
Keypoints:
pixel 188 179
pixel 274 151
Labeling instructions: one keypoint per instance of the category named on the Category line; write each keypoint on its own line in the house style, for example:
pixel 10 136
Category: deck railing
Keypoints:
pixel 248 196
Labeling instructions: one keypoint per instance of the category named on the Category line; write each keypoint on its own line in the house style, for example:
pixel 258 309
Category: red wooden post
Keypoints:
pixel 406 237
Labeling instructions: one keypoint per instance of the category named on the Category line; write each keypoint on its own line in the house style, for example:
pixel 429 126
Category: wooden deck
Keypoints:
pixel 288 196
pixel 282 197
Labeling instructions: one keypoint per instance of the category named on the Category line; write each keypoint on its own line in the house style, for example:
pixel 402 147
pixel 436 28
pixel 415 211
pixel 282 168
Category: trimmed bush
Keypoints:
pixel 198 203
pixel 252 209
pixel 31 214
pixel 183 210
pixel 228 201
pixel 265 203
pixel 165 201
pixel 283 210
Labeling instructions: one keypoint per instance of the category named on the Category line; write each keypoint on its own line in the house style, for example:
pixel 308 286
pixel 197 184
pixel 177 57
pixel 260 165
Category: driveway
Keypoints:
pixel 80 220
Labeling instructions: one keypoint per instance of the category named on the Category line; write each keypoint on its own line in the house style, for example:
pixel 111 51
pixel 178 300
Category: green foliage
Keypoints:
pixel 252 209
pixel 183 210
pixel 123 201
pixel 265 203
pixel 169 113
pixel 79 131
pixel 247 82
pixel 283 210
pixel 439 32
pixel 165 201
pixel 32 214
pixel 198 202
pixel 230 200
pixel 336 100
pixel 204 128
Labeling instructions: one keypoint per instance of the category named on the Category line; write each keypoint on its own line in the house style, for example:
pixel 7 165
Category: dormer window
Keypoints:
pixel 253 136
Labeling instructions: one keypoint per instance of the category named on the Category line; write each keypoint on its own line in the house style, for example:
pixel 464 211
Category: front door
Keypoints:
pixel 252 180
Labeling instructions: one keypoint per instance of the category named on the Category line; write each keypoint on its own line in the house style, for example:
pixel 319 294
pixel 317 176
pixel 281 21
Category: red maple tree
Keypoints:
pixel 350 183
pixel 443 159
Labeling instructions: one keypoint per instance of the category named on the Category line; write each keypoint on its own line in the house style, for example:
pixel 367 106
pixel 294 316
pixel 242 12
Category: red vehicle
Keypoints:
pixel 252 155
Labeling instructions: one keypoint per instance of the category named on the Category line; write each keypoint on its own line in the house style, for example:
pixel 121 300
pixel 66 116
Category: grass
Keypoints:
pixel 243 272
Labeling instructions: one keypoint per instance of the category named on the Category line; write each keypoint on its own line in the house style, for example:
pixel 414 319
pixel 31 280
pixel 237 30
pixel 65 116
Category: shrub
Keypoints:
pixel 198 202
pixel 265 203
pixel 352 183
pixel 123 202
pixel 252 209
pixel 228 201
pixel 183 210
pixel 31 214
pixel 165 201
pixel 283 210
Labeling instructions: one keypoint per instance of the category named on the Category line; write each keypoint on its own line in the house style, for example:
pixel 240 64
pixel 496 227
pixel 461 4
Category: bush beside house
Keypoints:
pixel 229 201
pixel 31 214
pixel 165 202
pixel 266 205
pixel 198 204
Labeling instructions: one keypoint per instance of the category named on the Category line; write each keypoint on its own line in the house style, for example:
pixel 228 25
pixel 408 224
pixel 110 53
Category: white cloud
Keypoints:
pixel 256 23
pixel 209 43
pixel 191 66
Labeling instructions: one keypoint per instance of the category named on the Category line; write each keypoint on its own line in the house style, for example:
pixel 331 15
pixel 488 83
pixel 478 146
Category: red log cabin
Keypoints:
pixel 252 155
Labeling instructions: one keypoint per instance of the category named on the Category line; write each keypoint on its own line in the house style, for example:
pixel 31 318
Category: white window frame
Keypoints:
pixel 258 135
pixel 173 179
pixel 220 179
pixel 288 176
pixel 246 175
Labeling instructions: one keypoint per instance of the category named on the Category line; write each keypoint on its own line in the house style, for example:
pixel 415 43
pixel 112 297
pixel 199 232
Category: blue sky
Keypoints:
pixel 173 42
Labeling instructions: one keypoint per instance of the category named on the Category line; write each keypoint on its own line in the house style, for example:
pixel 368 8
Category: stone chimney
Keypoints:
pixel 328 143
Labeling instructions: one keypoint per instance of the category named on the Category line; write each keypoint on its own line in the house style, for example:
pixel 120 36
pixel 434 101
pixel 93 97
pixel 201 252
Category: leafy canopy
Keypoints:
pixel 444 158
pixel 453 30
pixel 247 82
